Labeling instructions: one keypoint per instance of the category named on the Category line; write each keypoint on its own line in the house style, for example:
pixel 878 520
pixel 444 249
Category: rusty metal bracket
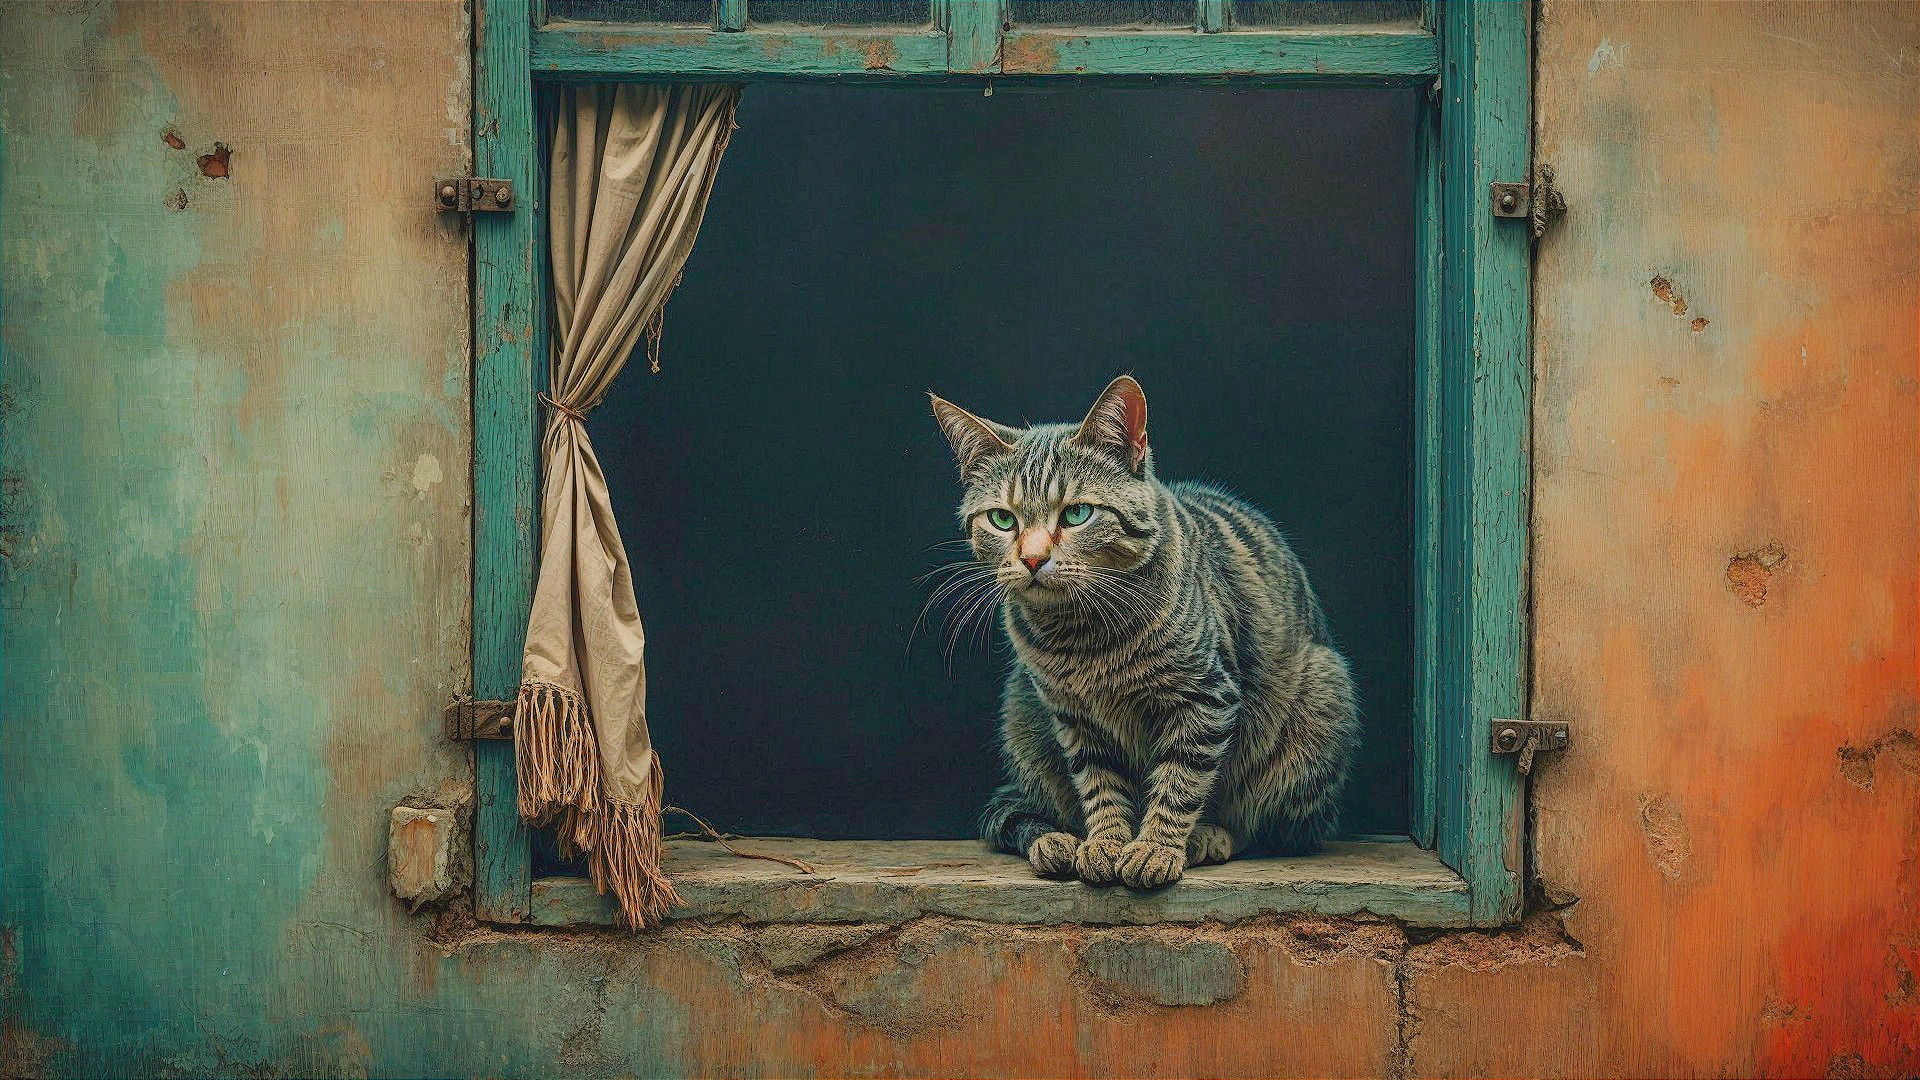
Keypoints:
pixel 1527 738
pixel 473 194
pixel 1539 202
pixel 1511 200
pixel 468 719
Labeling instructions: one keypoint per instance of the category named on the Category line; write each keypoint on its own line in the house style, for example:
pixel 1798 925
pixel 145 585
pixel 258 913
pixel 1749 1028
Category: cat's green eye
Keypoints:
pixel 1000 519
pixel 1076 514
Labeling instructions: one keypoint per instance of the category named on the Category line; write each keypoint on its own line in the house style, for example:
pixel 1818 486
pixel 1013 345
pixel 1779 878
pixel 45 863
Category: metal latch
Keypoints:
pixel 1528 737
pixel 468 719
pixel 473 194
pixel 1539 202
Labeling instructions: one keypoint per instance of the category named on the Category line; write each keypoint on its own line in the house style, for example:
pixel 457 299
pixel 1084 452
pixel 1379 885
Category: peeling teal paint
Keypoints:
pixel 207 582
pixel 139 785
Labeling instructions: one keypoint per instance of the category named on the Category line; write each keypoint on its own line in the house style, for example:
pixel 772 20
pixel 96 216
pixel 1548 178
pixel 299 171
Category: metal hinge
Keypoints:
pixel 473 194
pixel 468 719
pixel 1539 202
pixel 1527 738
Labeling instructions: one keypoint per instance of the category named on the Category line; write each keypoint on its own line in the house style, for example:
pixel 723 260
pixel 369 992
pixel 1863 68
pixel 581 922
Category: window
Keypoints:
pixel 1466 396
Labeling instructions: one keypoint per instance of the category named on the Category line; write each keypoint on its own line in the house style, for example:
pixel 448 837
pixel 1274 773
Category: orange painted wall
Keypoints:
pixel 1725 549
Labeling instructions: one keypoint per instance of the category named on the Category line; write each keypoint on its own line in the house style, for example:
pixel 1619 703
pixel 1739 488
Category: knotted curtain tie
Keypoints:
pixel 564 410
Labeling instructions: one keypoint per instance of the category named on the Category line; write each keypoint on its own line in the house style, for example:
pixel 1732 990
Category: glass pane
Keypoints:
pixel 669 12
pixel 1104 12
pixel 841 12
pixel 1275 13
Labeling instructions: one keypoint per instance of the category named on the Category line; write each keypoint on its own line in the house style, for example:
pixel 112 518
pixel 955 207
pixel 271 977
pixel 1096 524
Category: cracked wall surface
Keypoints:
pixel 233 529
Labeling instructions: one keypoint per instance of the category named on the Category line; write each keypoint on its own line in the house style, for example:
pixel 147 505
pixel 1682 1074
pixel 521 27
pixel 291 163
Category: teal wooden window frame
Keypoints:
pixel 1473 374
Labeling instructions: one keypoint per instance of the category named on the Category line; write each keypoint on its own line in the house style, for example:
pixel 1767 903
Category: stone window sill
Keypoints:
pixel 893 881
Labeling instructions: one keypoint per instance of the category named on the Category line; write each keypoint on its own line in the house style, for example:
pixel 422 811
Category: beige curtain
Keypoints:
pixel 631 170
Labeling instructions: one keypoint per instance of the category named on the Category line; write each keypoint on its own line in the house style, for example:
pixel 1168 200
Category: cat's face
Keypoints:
pixel 1059 513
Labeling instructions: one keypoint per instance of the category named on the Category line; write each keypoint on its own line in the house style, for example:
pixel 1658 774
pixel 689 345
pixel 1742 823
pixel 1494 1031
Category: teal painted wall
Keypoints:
pixel 235 444
pixel 234 594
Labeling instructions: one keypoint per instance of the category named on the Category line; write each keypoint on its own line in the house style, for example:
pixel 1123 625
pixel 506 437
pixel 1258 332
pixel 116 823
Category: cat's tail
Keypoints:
pixel 1013 820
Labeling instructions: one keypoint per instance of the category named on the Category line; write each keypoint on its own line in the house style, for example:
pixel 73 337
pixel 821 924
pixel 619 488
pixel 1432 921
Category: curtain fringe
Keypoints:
pixel 627 858
pixel 556 757
pixel 558 765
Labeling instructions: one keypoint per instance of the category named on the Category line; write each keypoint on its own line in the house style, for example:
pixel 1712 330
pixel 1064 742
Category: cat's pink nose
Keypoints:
pixel 1036 545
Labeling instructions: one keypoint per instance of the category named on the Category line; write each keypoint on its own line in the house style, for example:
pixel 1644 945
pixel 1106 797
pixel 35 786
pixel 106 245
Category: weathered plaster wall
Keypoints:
pixel 1726 348
pixel 235 438
pixel 236 554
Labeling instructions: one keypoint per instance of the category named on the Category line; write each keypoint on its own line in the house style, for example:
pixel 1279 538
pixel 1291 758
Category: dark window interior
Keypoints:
pixel 780 485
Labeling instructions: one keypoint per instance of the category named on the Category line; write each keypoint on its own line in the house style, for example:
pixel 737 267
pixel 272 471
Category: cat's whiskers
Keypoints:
pixel 971 591
pixel 1087 589
pixel 965 575
pixel 983 599
pixel 1144 595
pixel 1117 595
pixel 949 567
pixel 1120 616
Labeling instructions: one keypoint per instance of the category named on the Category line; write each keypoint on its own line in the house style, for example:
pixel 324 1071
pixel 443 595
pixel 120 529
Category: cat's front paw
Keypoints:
pixel 1147 865
pixel 1052 854
pixel 1098 860
pixel 1209 844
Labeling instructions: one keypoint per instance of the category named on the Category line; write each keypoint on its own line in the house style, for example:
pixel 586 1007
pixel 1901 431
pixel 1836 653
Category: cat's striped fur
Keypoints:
pixel 1175 699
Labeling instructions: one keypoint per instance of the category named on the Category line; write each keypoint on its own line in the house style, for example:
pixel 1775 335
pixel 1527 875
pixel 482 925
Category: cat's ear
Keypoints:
pixel 1117 423
pixel 973 439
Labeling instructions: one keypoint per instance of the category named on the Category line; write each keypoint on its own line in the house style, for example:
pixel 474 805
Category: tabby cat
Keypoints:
pixel 1175 699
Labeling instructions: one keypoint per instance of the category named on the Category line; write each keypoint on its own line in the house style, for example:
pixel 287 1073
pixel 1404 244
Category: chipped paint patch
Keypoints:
pixel 1857 764
pixel 1541 939
pixel 1032 54
pixel 1606 55
pixel 791 948
pixel 216 162
pixel 1664 292
pixel 876 53
pixel 1749 574
pixel 1846 1067
pixel 426 473
pixel 1191 972
pixel 1664 831
pixel 1776 1012
pixel 1314 940
pixel 25 1052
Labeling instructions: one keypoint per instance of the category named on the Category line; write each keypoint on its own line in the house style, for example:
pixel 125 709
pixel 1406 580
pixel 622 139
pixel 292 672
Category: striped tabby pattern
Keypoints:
pixel 1175 698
